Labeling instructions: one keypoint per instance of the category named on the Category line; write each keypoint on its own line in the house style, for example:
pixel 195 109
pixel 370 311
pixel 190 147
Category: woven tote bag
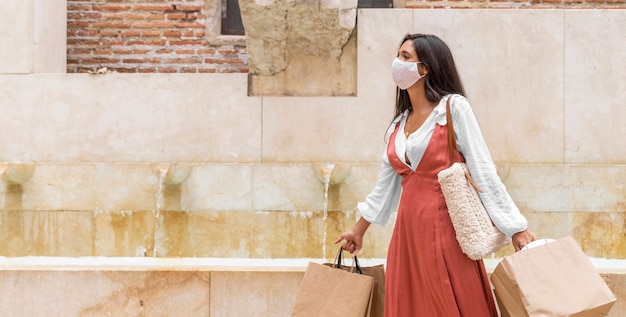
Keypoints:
pixel 475 232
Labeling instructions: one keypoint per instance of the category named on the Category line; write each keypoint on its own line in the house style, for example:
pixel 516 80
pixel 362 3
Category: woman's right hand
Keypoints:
pixel 354 242
pixel 354 237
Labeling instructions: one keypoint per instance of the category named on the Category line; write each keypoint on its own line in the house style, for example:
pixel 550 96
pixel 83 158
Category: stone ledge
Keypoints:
pixel 52 286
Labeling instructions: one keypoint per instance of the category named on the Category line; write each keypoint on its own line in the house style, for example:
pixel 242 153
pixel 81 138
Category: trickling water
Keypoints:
pixel 157 209
pixel 327 174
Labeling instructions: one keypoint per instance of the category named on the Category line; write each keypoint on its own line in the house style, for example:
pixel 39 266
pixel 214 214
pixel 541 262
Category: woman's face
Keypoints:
pixel 407 52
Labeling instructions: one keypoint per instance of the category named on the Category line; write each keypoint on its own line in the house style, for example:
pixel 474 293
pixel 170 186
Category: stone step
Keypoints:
pixel 52 286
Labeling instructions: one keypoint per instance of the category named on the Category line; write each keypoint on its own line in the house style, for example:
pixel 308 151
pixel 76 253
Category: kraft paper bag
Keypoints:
pixel 331 292
pixel 377 307
pixel 552 280
pixel 503 312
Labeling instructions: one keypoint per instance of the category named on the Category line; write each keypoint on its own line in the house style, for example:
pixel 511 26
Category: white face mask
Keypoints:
pixel 405 74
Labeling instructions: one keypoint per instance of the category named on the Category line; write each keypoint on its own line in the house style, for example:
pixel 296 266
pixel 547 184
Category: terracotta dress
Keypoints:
pixel 427 273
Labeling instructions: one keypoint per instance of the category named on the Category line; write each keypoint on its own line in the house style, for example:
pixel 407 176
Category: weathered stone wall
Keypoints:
pixel 253 183
pixel 176 36
pixel 301 47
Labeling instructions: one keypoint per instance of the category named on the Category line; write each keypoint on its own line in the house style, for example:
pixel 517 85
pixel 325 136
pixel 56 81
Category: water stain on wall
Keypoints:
pixel 601 234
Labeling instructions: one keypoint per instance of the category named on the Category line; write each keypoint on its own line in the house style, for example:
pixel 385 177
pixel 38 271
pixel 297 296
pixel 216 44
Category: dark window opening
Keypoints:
pixel 375 4
pixel 231 18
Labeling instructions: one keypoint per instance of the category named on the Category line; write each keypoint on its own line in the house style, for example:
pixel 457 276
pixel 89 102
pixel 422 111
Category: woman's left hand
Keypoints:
pixel 522 238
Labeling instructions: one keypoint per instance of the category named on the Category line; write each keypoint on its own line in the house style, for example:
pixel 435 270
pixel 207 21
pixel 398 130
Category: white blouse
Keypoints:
pixel 384 198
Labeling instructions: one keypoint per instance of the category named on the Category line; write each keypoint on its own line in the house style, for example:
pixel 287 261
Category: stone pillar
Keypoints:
pixel 50 36
pixel 301 48
pixel 33 36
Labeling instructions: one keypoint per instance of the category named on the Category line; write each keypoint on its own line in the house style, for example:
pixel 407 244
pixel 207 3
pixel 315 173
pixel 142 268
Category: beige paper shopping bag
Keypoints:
pixel 377 307
pixel 552 280
pixel 331 292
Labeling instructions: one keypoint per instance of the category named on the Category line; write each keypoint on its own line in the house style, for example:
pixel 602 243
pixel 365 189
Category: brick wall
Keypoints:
pixel 145 36
pixel 168 36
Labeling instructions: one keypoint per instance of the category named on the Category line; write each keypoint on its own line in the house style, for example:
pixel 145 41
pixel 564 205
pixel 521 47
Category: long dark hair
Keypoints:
pixel 442 78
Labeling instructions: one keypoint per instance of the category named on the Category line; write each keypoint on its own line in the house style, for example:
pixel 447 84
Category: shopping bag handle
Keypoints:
pixel 536 243
pixel 338 260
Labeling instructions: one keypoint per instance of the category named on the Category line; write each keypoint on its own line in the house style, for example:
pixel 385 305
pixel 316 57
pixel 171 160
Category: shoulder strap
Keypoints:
pixel 452 149
pixel 452 145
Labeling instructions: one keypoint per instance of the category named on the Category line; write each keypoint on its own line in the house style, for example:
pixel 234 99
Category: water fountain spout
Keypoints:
pixel 16 173
pixel 331 173
pixel 170 176
pixel 174 173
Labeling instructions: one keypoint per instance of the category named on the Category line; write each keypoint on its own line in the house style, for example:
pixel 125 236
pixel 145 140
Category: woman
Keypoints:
pixel 427 274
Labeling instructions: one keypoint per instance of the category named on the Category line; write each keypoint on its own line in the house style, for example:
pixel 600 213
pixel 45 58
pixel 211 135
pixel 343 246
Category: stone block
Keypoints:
pixel 328 130
pixel 598 187
pixel 104 293
pixel 538 187
pixel 50 36
pixel 124 233
pixel 33 36
pixel 490 70
pixel 601 234
pixel 16 37
pixel 46 233
pixel 287 39
pixel 592 77
pixel 254 293
pixel 616 280
pixel 107 118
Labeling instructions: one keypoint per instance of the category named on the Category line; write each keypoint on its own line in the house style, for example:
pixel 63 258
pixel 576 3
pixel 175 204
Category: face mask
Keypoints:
pixel 405 74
